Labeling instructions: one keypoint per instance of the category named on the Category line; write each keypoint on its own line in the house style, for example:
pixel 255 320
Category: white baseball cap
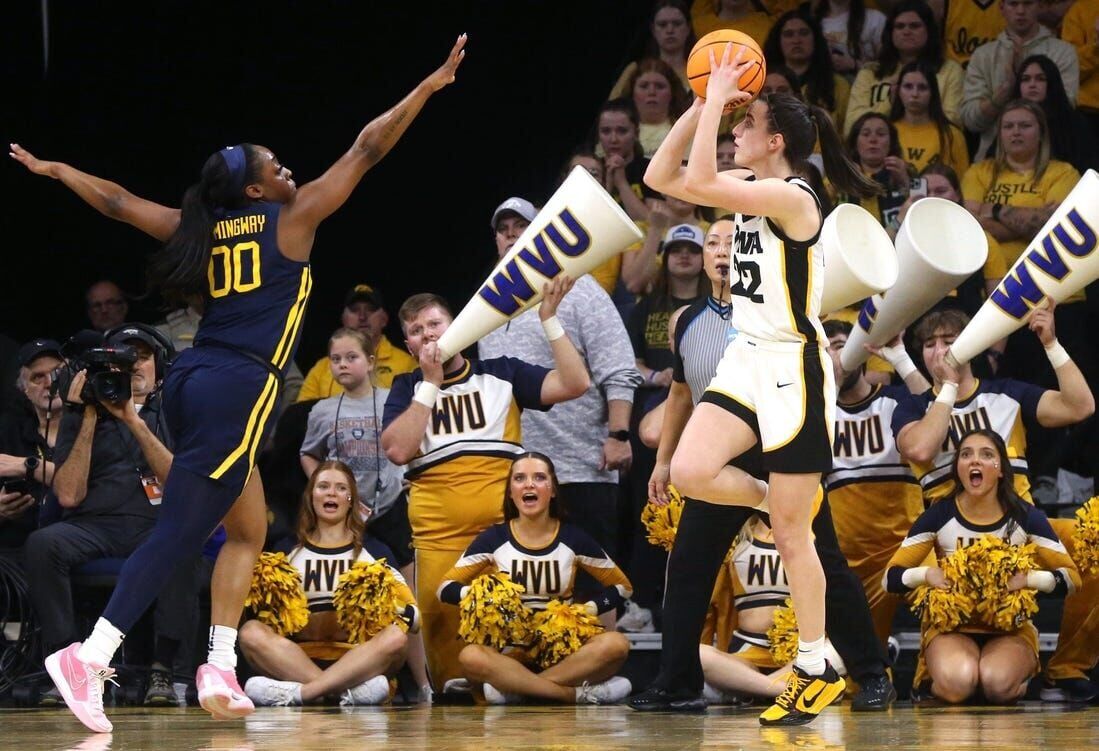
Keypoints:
pixel 684 233
pixel 514 205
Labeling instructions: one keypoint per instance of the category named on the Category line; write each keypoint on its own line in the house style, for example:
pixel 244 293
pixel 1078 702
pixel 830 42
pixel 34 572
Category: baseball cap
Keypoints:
pixel 684 233
pixel 363 293
pixel 514 205
pixel 127 334
pixel 36 348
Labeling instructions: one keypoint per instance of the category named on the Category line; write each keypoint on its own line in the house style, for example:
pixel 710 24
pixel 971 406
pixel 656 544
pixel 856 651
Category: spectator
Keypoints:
pixel 670 40
pixel 364 310
pixel 28 435
pixel 533 536
pixel 726 152
pixel 978 655
pixel 780 80
pixel 748 16
pixel 925 135
pixel 589 435
pixel 1015 193
pixel 454 423
pixel 107 306
pixel 624 163
pixel 659 98
pixel 991 76
pixel 319 661
pixel 797 43
pixel 968 25
pixel 111 460
pixel 911 34
pixel 641 264
pixel 1071 135
pixel 181 325
pixel 852 30
pixel 1081 30
pixel 873 144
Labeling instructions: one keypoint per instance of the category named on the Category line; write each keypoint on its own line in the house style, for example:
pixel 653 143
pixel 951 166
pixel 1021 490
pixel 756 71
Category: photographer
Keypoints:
pixel 112 455
pixel 27 435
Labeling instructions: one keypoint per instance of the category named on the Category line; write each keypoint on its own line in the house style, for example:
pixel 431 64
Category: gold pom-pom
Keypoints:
pixel 783 634
pixel 366 600
pixel 661 522
pixel 276 595
pixel 493 613
pixel 560 630
pixel 1086 547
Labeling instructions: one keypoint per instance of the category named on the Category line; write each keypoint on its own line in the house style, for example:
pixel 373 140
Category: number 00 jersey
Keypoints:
pixel 256 296
pixel 777 281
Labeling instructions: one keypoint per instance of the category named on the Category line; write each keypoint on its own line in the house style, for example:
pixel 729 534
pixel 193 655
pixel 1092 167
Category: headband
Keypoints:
pixel 236 161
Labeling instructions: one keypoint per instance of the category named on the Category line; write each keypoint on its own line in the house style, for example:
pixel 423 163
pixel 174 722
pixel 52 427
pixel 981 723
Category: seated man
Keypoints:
pixel 111 457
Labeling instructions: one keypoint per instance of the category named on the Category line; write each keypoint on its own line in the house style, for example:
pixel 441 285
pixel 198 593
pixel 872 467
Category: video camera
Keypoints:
pixel 108 369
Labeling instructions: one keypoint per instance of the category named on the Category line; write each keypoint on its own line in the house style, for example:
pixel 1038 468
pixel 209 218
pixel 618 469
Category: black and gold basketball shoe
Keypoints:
pixel 804 698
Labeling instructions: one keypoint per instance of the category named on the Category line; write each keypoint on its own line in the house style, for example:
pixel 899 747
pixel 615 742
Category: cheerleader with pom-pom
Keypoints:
pixel 321 659
pixel 977 635
pixel 535 549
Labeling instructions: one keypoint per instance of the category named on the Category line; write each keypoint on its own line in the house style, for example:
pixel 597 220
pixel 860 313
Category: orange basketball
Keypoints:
pixel 698 62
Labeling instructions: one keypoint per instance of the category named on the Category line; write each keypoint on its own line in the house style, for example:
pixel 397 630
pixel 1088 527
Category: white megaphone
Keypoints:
pixel 859 259
pixel 1059 262
pixel 939 245
pixel 579 228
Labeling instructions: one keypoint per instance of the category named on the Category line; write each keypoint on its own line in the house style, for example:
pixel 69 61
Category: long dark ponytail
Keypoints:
pixel 800 125
pixel 179 269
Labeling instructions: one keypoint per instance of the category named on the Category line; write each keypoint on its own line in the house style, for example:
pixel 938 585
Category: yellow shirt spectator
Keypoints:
pixel 870 93
pixel 1079 30
pixel 968 25
pixel 920 146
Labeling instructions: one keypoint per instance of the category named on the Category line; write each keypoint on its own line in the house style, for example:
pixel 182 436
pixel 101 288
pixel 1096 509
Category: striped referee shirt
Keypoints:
pixel 702 333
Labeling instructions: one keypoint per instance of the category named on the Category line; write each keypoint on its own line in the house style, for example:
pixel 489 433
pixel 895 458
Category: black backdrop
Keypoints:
pixel 142 92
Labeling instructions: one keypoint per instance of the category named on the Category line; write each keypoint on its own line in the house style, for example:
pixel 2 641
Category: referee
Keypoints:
pixel 701 335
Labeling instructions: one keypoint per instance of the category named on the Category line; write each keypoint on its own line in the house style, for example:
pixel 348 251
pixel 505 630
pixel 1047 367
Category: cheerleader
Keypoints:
pixel 955 664
pixel 318 661
pixel 543 553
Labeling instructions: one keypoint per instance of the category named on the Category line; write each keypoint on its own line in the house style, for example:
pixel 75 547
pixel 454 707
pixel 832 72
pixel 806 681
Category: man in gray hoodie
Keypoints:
pixel 990 77
pixel 588 437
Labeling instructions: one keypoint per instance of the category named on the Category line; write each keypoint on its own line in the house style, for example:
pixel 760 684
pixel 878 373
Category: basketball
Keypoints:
pixel 698 62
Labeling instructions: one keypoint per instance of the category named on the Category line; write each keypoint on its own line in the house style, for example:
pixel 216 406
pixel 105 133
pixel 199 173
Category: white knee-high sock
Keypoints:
pixel 99 648
pixel 223 647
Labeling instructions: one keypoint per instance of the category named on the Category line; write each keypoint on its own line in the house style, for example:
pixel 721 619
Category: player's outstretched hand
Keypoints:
pixel 30 161
pixel 724 83
pixel 444 76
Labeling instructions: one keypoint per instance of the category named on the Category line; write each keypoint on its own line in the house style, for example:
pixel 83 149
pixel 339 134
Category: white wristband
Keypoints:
pixel 1043 581
pixel 914 577
pixel 898 357
pixel 1057 355
pixel 948 394
pixel 553 328
pixel 426 394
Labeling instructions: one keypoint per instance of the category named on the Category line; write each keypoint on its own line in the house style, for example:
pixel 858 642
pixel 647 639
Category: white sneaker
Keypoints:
pixel 368 693
pixel 457 686
pixel 612 691
pixel 267 692
pixel 494 696
pixel 636 619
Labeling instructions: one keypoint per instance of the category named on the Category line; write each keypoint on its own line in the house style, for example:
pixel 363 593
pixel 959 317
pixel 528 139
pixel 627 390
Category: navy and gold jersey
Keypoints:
pixel 546 573
pixel 777 282
pixel 460 473
pixel 1004 405
pixel 255 296
pixel 758 578
pixel 321 569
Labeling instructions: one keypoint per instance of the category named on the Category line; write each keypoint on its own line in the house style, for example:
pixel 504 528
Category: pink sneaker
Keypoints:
pixel 220 694
pixel 81 686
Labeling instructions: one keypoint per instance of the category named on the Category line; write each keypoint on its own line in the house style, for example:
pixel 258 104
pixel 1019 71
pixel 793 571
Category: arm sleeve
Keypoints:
pixel 1052 555
pixel 1027 394
pixel 478 559
pixel 590 557
pixel 400 396
pixel 919 542
pixel 604 343
pixel 910 408
pixel 526 380
pixel 316 433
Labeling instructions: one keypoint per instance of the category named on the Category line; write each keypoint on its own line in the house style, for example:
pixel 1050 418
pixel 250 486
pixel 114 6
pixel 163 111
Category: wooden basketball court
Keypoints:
pixel 1030 726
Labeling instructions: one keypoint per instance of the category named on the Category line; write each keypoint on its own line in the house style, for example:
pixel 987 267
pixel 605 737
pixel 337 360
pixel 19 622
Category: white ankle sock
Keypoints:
pixel 99 648
pixel 223 647
pixel 811 656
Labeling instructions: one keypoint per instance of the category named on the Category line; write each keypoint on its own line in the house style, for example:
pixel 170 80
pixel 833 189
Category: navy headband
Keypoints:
pixel 236 161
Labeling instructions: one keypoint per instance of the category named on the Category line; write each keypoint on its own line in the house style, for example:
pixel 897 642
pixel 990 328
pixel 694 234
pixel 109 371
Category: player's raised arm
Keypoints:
pixel 318 199
pixel 106 197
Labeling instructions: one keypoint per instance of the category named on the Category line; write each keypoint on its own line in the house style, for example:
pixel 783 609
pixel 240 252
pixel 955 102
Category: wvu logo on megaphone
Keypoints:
pixel 867 315
pixel 508 288
pixel 1019 292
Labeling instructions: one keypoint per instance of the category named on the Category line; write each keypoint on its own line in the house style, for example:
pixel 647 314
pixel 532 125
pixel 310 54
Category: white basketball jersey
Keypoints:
pixel 777 282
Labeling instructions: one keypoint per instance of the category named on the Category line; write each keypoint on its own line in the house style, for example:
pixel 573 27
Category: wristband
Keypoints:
pixel 553 328
pixel 1043 581
pixel 948 394
pixel 914 577
pixel 463 592
pixel 426 394
pixel 591 608
pixel 1057 355
pixel 900 360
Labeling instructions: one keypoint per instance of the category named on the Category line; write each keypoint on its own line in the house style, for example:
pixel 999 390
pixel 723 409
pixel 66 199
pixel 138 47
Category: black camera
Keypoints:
pixel 108 369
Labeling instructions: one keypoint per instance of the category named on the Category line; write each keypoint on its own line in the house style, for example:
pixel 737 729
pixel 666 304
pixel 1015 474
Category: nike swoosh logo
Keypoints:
pixel 80 679
pixel 783 385
pixel 808 701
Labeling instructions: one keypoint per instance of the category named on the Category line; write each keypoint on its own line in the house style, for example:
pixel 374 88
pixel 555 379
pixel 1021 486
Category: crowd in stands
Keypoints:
pixel 994 106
